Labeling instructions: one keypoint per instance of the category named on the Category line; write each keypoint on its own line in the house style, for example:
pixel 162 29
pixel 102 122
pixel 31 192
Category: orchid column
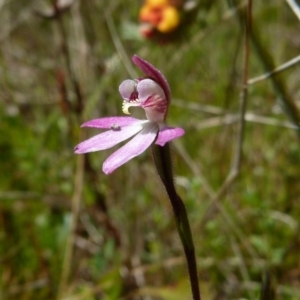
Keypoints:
pixel 152 93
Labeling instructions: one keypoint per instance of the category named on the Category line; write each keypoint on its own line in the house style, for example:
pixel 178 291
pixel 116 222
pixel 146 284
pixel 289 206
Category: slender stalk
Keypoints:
pixel 267 291
pixel 244 90
pixel 163 163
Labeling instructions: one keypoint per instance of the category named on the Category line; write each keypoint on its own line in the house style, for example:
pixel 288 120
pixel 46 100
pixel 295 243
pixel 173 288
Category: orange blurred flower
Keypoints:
pixel 160 15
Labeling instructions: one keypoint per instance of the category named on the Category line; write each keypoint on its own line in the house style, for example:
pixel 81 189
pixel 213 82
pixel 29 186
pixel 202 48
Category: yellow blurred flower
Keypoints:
pixel 170 20
pixel 158 15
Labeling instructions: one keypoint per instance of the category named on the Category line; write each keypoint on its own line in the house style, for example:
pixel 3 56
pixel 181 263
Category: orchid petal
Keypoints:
pixel 148 88
pixel 154 73
pixel 168 134
pixel 108 139
pixel 153 100
pixel 110 121
pixel 133 148
pixel 127 90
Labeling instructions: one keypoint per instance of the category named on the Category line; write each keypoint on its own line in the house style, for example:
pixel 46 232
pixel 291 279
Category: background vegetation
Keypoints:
pixel 67 231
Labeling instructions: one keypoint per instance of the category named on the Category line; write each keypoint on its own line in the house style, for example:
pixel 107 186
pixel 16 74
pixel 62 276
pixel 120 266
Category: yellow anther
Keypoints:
pixel 125 107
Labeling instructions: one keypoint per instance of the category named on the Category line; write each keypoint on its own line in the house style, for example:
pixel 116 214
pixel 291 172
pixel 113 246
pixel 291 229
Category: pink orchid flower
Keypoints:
pixel 152 93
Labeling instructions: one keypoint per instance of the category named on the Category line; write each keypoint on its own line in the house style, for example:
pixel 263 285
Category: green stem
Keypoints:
pixel 163 163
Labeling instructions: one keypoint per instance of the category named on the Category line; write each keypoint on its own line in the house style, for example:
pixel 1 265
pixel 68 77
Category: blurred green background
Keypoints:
pixel 67 231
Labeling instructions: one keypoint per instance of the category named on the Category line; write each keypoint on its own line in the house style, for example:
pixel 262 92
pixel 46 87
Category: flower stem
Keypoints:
pixel 163 163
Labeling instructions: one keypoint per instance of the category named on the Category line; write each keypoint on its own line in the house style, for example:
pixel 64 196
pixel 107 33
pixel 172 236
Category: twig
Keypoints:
pixel 279 86
pixel 249 117
pixel 244 94
pixel 66 54
pixel 279 69
pixel 295 7
pixel 76 199
pixel 119 46
pixel 236 162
